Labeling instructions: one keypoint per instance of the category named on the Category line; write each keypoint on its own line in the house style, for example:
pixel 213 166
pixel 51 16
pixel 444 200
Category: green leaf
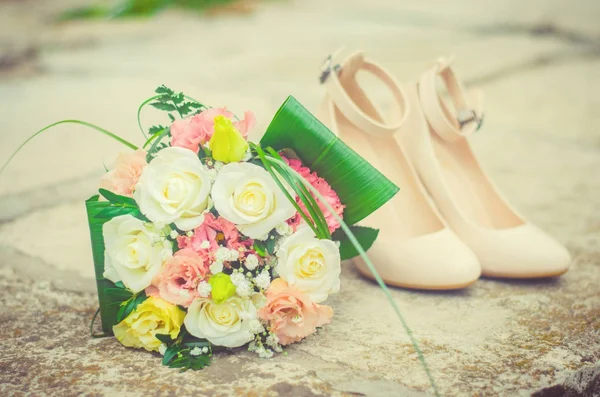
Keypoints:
pixel 118 293
pixel 270 245
pixel 197 343
pixel 117 199
pixel 170 353
pixel 164 338
pixel 189 107
pixel 164 90
pixel 130 306
pixel 120 284
pixel 155 129
pixel 200 362
pixel 362 189
pixel 168 107
pixel 260 248
pixel 366 236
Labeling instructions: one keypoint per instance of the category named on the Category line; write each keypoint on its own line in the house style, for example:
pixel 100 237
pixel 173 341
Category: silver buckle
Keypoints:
pixel 467 116
pixel 328 68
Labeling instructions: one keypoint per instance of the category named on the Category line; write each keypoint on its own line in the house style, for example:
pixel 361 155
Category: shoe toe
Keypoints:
pixel 522 252
pixel 438 261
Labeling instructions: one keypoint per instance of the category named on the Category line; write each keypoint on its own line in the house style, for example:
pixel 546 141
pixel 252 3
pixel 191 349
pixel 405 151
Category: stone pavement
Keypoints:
pixel 539 63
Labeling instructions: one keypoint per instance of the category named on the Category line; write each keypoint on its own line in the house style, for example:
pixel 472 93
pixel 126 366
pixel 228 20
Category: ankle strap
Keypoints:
pixel 332 78
pixel 469 107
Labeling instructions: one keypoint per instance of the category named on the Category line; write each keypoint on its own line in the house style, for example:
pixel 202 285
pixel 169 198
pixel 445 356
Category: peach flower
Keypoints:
pixel 125 174
pixel 291 314
pixel 194 131
pixel 178 280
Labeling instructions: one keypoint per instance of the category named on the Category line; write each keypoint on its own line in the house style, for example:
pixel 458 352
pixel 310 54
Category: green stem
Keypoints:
pixel 102 130
pixel 378 278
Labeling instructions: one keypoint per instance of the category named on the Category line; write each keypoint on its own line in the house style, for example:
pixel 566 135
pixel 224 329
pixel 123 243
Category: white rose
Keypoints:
pixel 246 195
pixel 311 265
pixel 174 188
pixel 134 251
pixel 226 324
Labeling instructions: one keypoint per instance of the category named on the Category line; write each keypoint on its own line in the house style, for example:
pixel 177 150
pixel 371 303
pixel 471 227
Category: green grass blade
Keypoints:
pixel 102 130
pixel 263 158
pixel 379 280
pixel 307 199
pixel 139 113
pixel 154 136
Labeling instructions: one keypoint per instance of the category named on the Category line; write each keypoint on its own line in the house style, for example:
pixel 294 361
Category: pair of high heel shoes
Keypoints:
pixel 448 224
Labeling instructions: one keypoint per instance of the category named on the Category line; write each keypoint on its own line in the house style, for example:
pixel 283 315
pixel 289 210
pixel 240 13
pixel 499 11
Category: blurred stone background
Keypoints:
pixel 539 64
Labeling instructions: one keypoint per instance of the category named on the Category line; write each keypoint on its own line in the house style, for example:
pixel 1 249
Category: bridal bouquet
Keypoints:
pixel 204 241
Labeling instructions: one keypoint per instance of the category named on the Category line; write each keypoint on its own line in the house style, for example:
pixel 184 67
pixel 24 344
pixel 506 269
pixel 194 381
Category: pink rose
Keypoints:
pixel 196 130
pixel 216 231
pixel 178 280
pixel 291 314
pixel 125 174
pixel 324 189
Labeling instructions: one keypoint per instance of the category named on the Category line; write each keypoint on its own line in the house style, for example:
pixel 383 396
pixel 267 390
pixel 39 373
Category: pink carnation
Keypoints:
pixel 217 231
pixel 178 280
pixel 196 130
pixel 324 189
pixel 125 174
pixel 291 314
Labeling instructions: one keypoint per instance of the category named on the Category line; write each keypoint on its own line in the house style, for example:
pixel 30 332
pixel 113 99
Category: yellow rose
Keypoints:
pixel 221 287
pixel 151 317
pixel 227 144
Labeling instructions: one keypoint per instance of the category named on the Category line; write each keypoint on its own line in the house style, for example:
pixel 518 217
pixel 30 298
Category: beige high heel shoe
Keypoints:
pixel 415 248
pixel 434 138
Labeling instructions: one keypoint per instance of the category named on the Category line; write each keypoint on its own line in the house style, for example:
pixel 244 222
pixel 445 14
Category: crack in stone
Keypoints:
pixel 15 206
pixel 539 62
pixel 542 30
pixel 36 268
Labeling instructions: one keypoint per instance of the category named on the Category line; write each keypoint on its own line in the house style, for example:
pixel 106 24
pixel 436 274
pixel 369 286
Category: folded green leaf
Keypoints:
pixel 366 236
pixel 108 310
pixel 360 186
